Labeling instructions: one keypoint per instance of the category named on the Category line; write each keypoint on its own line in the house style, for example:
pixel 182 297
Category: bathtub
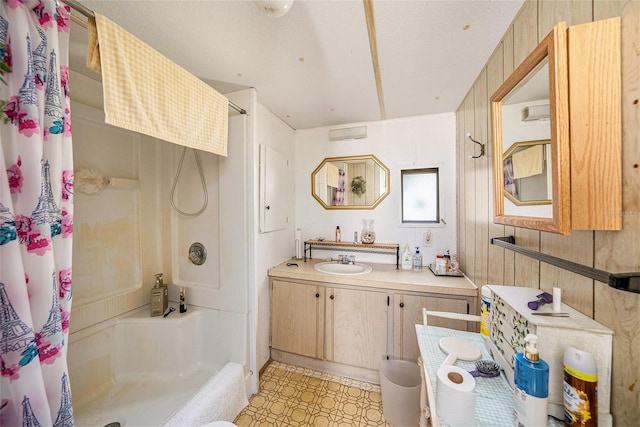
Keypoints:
pixel 159 370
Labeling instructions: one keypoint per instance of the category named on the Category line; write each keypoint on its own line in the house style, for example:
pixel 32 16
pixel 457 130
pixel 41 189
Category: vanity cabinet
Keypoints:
pixel 297 318
pixel 356 327
pixel 347 326
pixel 407 312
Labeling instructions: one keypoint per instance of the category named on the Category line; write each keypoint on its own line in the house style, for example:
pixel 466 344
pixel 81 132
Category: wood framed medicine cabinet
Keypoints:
pixel 568 91
pixel 541 80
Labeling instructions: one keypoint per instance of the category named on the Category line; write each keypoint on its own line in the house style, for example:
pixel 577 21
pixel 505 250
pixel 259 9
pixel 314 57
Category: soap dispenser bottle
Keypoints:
pixel 159 297
pixel 407 258
pixel 417 260
pixel 531 378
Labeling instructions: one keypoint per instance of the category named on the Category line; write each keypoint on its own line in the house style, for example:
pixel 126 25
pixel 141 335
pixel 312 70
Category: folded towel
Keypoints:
pixel 221 398
pixel 146 92
pixel 528 162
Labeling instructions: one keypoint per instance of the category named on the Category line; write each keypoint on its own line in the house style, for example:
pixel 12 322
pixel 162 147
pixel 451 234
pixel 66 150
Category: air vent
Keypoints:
pixel 535 112
pixel 358 132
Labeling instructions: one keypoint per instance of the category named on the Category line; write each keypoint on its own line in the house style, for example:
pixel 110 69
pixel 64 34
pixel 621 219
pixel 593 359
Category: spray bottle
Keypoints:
pixel 531 378
pixel 580 388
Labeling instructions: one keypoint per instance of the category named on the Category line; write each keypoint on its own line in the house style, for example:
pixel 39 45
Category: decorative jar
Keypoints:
pixel 368 232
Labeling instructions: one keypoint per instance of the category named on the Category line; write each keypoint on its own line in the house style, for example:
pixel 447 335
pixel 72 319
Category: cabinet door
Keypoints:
pixel 408 313
pixel 356 327
pixel 297 318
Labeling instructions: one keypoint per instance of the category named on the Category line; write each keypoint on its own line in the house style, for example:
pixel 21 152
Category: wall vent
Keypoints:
pixel 358 132
pixel 535 112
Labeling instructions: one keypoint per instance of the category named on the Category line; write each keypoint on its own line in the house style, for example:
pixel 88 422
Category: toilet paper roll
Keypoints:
pixel 298 243
pixel 455 396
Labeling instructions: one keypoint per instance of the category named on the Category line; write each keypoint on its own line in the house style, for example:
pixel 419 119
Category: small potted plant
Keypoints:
pixel 358 186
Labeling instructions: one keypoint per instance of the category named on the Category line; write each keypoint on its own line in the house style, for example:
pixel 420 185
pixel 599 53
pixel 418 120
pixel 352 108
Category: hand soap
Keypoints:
pixel 531 378
pixel 417 260
pixel 407 258
pixel 159 297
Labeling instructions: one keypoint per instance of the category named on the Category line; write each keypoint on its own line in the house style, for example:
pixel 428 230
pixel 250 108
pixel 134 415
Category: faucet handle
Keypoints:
pixel 352 259
pixel 341 259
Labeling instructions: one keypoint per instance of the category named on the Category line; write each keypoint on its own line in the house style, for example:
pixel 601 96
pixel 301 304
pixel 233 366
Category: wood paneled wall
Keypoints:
pixel 616 251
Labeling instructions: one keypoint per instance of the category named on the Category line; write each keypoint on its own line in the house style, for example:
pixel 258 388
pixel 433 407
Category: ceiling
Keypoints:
pixel 313 67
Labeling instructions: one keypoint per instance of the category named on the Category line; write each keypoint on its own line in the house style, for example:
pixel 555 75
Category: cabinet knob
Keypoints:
pixel 317 295
pixel 401 305
pixel 332 297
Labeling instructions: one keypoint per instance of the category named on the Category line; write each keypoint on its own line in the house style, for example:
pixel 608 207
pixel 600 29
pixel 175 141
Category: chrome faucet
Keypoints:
pixel 346 259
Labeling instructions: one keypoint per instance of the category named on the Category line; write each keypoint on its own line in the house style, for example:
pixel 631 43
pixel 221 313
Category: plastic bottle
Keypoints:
pixel 337 233
pixel 183 300
pixel 531 378
pixel 485 312
pixel 417 260
pixel 159 297
pixel 580 388
pixel 407 258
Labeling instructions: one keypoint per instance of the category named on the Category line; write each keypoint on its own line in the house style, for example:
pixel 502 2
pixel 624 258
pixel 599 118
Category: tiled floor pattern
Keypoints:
pixel 294 396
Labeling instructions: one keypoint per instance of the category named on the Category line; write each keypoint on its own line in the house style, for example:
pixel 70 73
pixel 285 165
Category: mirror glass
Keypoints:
pixel 356 182
pixel 527 174
pixel 526 163
pixel 531 140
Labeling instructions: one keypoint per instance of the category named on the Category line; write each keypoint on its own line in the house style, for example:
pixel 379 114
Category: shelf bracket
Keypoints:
pixel 629 282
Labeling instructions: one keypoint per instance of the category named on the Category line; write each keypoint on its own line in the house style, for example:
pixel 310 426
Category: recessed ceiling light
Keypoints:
pixel 330 109
pixel 436 98
pixel 239 74
pixel 301 59
pixel 466 26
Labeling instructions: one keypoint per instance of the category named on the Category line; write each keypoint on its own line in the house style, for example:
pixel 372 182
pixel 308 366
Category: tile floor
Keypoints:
pixel 294 396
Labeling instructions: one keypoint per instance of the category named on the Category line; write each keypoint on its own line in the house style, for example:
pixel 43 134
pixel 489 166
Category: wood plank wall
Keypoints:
pixel 612 251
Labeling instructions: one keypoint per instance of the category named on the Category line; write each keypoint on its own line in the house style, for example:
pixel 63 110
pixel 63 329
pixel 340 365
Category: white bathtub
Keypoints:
pixel 158 366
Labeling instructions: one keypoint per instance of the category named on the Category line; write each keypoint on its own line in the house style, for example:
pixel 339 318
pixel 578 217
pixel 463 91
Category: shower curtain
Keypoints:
pixel 339 197
pixel 36 207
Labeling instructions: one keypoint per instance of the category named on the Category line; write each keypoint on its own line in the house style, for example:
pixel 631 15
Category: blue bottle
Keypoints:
pixel 531 378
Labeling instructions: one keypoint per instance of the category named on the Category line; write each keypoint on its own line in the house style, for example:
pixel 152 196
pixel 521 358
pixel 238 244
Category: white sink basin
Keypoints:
pixel 342 269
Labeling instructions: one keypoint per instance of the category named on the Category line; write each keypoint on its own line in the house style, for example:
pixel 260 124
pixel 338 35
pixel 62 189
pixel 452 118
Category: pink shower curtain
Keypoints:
pixel 36 208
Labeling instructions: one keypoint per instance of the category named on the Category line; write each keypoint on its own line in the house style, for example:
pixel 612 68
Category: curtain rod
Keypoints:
pixel 76 5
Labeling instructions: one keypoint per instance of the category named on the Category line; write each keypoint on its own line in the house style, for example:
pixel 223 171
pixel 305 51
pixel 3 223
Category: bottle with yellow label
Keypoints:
pixel 580 388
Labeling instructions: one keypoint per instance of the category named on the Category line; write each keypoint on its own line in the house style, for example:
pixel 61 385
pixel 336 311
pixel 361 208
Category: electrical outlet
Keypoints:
pixel 428 238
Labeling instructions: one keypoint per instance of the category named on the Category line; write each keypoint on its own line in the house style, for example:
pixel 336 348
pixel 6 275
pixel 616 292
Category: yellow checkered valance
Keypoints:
pixel 147 93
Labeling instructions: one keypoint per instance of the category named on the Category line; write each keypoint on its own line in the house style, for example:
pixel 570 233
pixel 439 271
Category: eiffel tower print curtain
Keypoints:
pixel 36 213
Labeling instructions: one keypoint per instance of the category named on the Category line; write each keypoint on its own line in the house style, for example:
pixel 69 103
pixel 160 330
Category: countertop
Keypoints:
pixel 383 276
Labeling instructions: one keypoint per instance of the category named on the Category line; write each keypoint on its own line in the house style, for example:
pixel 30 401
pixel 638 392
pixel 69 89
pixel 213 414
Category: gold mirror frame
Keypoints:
pixel 510 151
pixel 352 159
pixel 553 48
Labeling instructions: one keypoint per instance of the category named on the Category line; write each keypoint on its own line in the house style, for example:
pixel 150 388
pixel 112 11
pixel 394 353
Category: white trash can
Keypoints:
pixel 400 384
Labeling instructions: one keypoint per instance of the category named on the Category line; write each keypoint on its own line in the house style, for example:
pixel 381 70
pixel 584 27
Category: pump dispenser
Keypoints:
pixel 531 378
pixel 417 260
pixel 159 297
pixel 407 258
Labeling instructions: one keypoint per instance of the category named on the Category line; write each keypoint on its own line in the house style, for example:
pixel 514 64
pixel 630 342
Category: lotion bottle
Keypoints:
pixel 407 258
pixel 337 233
pixel 531 378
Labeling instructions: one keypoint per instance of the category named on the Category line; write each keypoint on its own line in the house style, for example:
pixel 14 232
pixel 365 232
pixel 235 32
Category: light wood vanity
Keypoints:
pixel 347 324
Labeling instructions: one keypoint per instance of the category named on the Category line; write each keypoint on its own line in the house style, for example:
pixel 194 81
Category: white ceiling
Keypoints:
pixel 313 66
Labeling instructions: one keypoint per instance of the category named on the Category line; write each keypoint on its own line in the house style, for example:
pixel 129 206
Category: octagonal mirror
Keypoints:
pixel 354 182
